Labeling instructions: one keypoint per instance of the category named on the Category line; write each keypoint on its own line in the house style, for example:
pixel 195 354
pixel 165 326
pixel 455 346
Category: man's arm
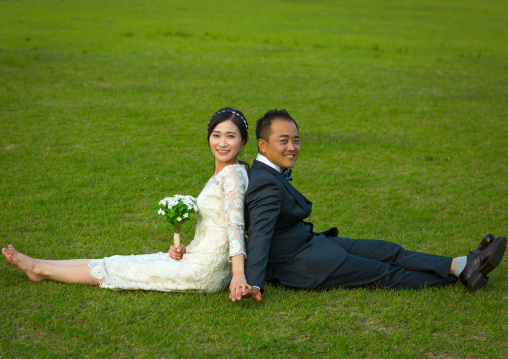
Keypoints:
pixel 263 205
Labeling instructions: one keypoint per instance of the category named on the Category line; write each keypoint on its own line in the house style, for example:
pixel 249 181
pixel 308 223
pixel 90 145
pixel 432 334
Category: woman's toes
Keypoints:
pixel 12 250
pixel 7 255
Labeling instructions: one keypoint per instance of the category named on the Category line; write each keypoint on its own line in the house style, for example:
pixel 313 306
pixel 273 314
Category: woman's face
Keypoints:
pixel 225 142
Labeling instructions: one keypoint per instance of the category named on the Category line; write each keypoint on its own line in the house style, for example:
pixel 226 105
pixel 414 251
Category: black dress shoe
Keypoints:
pixel 479 264
pixel 486 241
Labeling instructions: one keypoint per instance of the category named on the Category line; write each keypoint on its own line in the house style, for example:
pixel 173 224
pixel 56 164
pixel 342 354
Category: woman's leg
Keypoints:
pixel 38 270
pixel 66 262
pixel 69 262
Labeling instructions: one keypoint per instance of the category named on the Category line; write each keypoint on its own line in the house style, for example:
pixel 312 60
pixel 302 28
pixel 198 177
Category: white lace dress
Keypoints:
pixel 206 266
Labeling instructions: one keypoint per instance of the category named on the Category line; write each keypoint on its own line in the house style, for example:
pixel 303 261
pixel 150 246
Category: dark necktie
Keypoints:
pixel 286 172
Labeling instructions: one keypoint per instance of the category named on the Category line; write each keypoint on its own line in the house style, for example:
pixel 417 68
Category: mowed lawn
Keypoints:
pixel 402 107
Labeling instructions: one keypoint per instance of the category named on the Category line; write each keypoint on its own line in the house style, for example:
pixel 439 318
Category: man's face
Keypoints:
pixel 283 145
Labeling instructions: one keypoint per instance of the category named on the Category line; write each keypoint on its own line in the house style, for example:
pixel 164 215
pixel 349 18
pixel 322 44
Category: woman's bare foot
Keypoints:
pixel 25 263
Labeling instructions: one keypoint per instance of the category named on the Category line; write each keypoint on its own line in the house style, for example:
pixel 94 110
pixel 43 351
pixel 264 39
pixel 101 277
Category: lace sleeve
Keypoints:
pixel 233 186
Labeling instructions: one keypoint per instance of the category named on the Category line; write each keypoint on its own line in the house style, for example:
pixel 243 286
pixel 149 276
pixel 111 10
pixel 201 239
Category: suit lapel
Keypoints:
pixel 300 198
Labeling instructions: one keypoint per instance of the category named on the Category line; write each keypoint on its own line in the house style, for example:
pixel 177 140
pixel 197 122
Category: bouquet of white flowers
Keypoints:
pixel 177 210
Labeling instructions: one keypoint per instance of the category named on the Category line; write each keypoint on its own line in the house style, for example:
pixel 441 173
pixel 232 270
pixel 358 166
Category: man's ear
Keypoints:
pixel 262 146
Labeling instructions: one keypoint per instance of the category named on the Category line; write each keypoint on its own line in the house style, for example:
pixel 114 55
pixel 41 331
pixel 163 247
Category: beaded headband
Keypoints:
pixel 231 111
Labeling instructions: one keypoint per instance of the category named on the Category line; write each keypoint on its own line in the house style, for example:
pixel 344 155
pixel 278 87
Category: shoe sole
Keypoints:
pixel 479 278
pixel 476 281
pixel 495 256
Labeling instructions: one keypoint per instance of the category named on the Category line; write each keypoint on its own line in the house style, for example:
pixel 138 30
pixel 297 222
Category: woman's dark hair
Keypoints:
pixel 237 117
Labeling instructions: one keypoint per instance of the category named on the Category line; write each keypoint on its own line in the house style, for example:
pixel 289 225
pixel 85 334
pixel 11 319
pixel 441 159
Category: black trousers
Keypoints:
pixel 382 264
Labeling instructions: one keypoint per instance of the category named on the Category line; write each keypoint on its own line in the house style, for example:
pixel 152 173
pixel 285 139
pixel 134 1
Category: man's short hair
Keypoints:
pixel 264 124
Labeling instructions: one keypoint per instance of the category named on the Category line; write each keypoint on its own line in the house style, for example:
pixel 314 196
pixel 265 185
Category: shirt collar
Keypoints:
pixel 267 162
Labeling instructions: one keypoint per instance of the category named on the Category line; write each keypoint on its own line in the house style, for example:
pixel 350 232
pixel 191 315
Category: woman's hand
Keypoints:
pixel 237 287
pixel 177 253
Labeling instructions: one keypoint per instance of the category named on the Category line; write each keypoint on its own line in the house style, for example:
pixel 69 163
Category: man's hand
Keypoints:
pixel 177 253
pixel 253 293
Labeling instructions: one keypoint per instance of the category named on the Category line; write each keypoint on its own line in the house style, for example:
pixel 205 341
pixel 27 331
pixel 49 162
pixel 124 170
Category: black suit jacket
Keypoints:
pixel 278 240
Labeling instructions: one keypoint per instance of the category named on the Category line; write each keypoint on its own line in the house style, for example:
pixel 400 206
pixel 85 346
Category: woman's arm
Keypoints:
pixel 233 189
pixel 238 283
pixel 233 186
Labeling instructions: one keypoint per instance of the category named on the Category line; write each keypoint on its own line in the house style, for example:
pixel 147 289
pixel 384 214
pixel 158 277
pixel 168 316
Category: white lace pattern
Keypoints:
pixel 206 266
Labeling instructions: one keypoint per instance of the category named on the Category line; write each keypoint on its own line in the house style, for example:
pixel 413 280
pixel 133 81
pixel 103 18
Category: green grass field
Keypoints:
pixel 402 107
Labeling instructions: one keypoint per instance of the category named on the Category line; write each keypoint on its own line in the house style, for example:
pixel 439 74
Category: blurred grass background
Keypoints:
pixel 103 111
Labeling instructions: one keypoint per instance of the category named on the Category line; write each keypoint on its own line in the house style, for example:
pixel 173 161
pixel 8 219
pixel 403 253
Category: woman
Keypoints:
pixel 204 265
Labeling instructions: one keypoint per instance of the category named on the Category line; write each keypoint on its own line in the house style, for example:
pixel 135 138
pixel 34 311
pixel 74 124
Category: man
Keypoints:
pixel 282 248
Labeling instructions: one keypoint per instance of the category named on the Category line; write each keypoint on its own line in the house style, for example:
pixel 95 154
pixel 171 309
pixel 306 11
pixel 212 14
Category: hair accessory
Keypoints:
pixel 230 111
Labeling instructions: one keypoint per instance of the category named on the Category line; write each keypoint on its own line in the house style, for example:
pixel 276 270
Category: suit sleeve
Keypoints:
pixel 263 205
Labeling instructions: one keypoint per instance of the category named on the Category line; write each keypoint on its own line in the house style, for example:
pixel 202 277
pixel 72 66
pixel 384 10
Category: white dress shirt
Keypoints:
pixel 267 162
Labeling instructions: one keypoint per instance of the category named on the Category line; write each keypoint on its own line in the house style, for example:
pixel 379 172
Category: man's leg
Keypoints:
pixel 396 255
pixel 356 272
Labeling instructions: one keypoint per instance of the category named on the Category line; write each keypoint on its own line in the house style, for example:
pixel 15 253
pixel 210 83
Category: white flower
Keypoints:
pixel 98 272
pixel 236 217
pixel 218 217
pixel 229 185
pixel 169 203
pixel 238 203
